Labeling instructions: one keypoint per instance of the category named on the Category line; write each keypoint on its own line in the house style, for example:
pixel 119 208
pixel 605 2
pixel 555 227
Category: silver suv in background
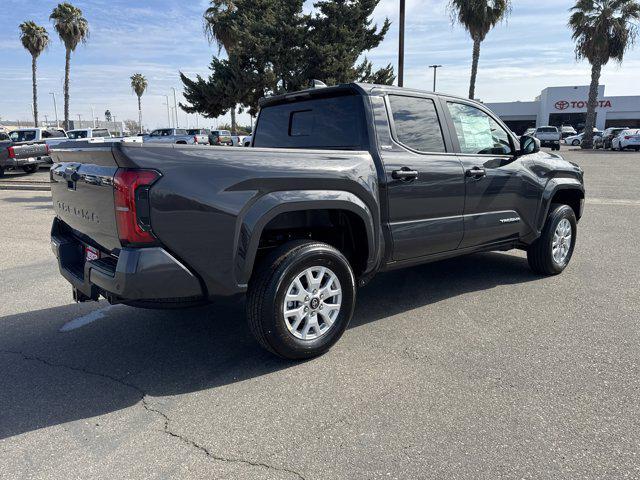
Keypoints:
pixel 170 135
pixel 549 137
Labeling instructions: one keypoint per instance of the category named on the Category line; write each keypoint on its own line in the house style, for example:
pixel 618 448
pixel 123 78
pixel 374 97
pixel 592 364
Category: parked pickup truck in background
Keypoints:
pixel 48 136
pixel 221 138
pixel 343 182
pixel 549 137
pixel 84 133
pixel 171 135
pixel 21 156
pixel 202 135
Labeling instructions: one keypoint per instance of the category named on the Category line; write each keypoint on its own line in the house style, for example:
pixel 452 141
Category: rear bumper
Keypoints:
pixel 21 162
pixel 549 143
pixel 146 275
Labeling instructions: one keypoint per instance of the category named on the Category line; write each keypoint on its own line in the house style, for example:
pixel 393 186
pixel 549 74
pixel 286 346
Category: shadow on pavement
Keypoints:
pixel 51 377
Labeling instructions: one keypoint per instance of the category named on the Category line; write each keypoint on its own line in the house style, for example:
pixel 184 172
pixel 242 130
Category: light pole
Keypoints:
pixel 79 120
pixel 175 106
pixel 93 117
pixel 435 73
pixel 168 111
pixel 401 45
pixel 55 108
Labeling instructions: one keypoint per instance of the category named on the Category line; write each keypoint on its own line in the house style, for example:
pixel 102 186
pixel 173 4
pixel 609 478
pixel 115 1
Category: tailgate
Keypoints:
pixel 82 192
pixel 32 150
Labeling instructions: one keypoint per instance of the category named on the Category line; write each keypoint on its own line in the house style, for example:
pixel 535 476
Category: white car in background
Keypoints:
pixel 576 140
pixel 84 133
pixel 627 139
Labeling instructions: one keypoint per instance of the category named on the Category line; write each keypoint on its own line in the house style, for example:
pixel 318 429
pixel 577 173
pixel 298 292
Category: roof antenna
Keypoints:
pixel 318 84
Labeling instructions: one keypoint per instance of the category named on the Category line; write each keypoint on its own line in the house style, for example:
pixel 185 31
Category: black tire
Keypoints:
pixel 575 143
pixel 30 168
pixel 268 287
pixel 540 253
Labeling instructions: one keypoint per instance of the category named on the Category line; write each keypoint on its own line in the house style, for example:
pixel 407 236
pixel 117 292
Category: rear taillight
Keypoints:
pixel 47 149
pixel 131 199
pixel 12 152
pixel 195 139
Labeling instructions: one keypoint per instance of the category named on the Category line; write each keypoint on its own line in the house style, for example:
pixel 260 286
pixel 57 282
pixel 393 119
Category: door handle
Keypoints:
pixel 405 173
pixel 476 172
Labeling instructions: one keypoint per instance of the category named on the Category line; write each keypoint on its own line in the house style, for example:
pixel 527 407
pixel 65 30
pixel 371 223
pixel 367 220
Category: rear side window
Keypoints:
pixel 416 123
pixel 100 133
pixel 326 123
pixel 23 136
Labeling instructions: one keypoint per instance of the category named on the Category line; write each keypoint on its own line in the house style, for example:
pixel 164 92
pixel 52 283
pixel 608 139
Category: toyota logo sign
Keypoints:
pixel 562 105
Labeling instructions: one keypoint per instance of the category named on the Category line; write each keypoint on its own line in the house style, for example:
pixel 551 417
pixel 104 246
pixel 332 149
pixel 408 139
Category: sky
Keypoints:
pixel 158 38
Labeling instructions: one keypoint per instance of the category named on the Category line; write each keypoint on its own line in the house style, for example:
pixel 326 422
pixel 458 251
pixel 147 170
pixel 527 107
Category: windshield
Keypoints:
pixel 23 136
pixel 77 134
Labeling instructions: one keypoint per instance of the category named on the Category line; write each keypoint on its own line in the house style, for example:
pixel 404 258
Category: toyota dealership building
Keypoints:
pixel 568 106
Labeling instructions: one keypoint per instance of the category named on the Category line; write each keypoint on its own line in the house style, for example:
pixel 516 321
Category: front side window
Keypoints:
pixel 477 132
pixel 416 123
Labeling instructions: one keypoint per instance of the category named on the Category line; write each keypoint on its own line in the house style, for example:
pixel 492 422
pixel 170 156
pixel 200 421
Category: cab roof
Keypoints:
pixel 355 88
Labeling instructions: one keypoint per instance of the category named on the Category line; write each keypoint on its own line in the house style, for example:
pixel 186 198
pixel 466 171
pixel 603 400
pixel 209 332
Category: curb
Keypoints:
pixel 25 187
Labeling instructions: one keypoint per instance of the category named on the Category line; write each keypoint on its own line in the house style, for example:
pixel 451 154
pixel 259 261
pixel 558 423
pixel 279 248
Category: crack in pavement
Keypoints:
pixel 146 405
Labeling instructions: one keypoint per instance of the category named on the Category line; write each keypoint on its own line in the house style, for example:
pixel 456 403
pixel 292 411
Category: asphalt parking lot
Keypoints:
pixel 469 368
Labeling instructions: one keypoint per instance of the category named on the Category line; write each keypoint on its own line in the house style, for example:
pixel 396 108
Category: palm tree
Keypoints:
pixel 603 30
pixel 478 17
pixel 220 29
pixel 73 29
pixel 35 39
pixel 139 84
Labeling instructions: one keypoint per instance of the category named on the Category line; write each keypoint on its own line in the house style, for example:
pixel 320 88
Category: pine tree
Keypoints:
pixel 277 48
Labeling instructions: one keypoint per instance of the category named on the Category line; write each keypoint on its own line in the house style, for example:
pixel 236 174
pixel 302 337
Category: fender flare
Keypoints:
pixel 260 213
pixel 554 186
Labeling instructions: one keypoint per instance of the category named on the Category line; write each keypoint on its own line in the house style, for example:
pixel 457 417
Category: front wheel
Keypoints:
pixel 575 143
pixel 301 299
pixel 550 254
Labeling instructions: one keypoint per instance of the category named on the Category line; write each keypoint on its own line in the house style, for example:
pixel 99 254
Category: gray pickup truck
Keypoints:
pixel 21 156
pixel 343 182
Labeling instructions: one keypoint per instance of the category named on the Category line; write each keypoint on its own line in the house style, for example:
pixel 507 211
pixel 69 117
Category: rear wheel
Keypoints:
pixel 30 168
pixel 301 299
pixel 550 254
pixel 575 143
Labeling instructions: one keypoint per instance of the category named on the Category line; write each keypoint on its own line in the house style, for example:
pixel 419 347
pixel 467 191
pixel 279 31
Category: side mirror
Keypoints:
pixel 529 145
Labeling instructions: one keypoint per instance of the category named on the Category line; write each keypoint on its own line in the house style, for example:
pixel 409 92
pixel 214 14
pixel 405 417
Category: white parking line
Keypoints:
pixel 86 319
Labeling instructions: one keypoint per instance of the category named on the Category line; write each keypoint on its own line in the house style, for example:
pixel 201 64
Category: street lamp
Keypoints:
pixel 401 45
pixel 55 108
pixel 168 111
pixel 175 106
pixel 435 73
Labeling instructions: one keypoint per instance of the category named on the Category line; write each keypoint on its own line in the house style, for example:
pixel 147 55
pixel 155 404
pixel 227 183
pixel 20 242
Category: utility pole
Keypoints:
pixel 435 72
pixel 79 120
pixel 168 111
pixel 401 45
pixel 55 108
pixel 93 117
pixel 46 120
pixel 175 106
